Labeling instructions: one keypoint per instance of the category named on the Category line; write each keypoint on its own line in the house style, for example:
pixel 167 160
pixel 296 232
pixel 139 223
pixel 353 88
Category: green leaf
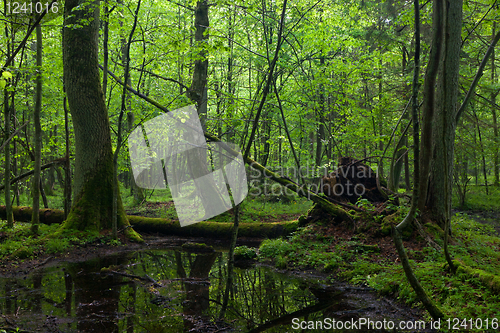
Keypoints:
pixel 3 83
pixel 7 75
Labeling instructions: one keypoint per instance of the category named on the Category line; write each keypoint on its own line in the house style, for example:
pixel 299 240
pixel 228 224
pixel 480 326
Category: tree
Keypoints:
pixel 440 112
pixel 93 183
pixel 38 132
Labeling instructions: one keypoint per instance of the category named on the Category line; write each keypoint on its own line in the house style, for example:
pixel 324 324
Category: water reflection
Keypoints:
pixel 158 291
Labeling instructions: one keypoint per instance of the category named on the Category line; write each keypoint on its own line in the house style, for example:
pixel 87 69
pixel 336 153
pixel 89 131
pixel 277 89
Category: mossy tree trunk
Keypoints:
pixel 8 203
pixel 93 182
pixel 38 133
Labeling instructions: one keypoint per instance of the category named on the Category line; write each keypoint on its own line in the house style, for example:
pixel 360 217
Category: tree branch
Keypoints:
pixel 61 160
pixel 478 76
pixel 12 135
pixel 28 34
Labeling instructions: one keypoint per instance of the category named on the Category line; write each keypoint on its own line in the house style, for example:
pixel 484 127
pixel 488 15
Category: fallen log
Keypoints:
pixel 23 214
pixel 172 227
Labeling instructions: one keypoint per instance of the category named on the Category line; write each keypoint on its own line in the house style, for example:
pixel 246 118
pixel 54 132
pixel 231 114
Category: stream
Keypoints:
pixel 171 290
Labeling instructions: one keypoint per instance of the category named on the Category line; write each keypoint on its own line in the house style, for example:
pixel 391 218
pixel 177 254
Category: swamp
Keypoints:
pixel 249 166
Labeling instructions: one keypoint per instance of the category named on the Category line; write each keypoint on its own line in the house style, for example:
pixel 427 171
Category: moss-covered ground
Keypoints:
pixel 360 255
pixel 360 251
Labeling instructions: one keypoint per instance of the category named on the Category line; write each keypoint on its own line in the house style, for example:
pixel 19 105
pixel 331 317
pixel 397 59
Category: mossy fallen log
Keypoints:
pixel 170 227
pixel 489 280
pixel 212 229
pixel 23 214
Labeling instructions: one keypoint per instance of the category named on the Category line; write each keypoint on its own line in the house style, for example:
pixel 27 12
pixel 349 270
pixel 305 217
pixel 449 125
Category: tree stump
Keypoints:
pixel 352 180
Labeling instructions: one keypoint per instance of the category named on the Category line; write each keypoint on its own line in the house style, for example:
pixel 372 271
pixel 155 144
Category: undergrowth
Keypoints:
pixel 252 209
pixel 18 243
pixel 474 245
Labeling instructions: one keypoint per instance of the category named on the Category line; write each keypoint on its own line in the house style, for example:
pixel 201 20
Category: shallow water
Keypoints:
pixel 171 290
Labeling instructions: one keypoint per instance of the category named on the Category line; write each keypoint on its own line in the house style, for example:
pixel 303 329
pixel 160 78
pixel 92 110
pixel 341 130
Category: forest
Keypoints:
pixel 249 166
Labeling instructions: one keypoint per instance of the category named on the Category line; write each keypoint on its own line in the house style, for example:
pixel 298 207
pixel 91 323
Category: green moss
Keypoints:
pixel 57 245
pixel 360 271
pixel 22 253
pixel 388 222
pixel 213 229
pixel 491 281
pixel 93 206
pixel 434 230
pixel 393 220
pixel 302 221
pixel 365 248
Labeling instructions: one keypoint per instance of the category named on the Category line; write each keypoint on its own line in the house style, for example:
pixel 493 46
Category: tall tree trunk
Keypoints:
pixel 38 132
pixel 197 158
pixel 482 152
pixel 321 116
pixel 434 311
pixel 438 203
pixel 105 49
pixel 93 184
pixel 6 174
pixel 405 139
pixel 124 107
pixel 199 82
pixel 67 164
pixel 429 100
pixel 496 163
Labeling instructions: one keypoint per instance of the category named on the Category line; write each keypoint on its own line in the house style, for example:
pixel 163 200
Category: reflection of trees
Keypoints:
pixel 36 295
pixel 188 284
pixel 10 297
pixel 262 295
pixel 197 287
pixel 96 295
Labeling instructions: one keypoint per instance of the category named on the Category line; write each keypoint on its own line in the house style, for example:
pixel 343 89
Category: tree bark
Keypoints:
pixel 8 203
pixel 67 164
pixel 438 192
pixel 125 98
pixel 496 163
pixel 38 132
pixel 429 100
pixel 433 310
pixel 93 184
pixel 197 158
pixel 199 82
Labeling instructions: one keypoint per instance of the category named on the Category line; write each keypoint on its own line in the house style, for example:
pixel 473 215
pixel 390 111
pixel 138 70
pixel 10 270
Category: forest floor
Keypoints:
pixel 360 253
pixel 363 253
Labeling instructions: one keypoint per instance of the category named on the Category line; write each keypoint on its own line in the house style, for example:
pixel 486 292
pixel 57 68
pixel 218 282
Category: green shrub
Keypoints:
pixel 281 262
pixel 23 252
pixel 271 248
pixel 56 245
pixel 244 252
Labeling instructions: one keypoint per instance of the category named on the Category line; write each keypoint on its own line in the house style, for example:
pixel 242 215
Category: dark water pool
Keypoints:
pixel 171 290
